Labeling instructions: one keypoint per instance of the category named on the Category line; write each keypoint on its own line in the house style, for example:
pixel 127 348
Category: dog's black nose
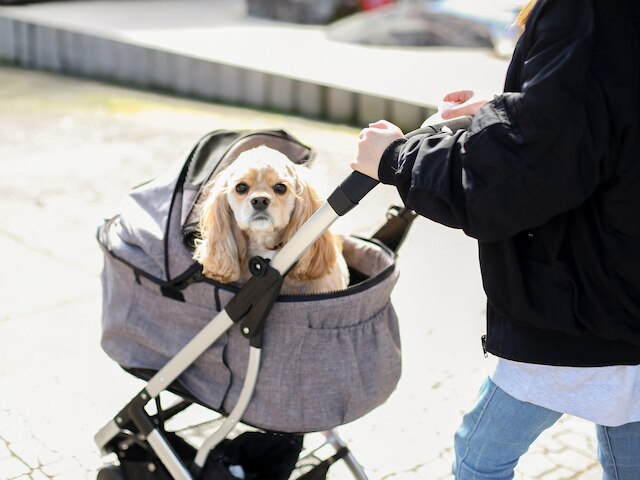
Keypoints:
pixel 260 203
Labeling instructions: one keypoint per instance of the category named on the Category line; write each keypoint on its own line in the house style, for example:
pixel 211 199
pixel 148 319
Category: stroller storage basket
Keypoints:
pixel 327 359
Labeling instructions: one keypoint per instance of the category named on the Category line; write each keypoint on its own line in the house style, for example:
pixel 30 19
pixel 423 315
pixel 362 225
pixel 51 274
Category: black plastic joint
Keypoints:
pixel 134 413
pixel 258 266
pixel 253 303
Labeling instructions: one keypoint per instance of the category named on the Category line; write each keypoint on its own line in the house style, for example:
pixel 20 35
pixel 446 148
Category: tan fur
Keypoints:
pixel 223 247
pixel 232 231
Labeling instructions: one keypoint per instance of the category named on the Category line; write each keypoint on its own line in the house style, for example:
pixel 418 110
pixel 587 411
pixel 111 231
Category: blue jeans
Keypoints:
pixel 499 429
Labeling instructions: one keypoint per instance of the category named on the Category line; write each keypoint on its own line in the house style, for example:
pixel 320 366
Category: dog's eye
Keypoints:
pixel 242 188
pixel 280 188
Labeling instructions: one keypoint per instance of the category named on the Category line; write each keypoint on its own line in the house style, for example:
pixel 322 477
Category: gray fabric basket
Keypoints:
pixel 326 359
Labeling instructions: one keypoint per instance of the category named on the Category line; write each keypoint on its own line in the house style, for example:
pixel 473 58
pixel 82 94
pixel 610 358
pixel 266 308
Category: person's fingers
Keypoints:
pixel 381 124
pixel 459 96
pixel 462 110
pixel 386 127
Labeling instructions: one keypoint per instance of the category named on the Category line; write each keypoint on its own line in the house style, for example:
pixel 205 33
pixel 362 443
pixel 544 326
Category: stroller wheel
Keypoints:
pixel 110 472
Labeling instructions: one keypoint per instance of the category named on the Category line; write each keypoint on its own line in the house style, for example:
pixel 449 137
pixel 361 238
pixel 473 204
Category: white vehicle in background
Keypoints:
pixel 430 23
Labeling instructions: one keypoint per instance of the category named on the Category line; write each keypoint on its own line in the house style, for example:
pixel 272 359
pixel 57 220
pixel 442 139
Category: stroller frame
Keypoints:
pixel 250 306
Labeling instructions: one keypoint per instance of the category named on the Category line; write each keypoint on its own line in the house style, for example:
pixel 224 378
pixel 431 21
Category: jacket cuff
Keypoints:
pixel 389 162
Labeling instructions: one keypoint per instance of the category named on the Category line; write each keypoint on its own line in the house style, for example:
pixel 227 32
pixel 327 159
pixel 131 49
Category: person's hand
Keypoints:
pixel 459 104
pixel 372 143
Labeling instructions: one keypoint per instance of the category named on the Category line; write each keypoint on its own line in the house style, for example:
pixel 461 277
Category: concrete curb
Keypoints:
pixel 61 50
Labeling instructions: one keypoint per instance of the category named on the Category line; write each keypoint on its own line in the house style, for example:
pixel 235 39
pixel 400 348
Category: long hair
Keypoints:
pixel 524 13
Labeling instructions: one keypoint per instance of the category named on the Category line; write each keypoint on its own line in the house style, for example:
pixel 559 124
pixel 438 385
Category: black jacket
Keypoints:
pixel 547 178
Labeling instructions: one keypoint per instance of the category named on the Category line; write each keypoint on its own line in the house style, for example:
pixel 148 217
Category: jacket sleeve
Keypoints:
pixel 527 155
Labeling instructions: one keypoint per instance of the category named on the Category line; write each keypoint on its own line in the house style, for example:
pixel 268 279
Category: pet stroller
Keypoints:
pixel 283 365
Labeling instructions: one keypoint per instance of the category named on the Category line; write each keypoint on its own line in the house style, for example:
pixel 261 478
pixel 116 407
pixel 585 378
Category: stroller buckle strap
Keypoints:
pixel 253 303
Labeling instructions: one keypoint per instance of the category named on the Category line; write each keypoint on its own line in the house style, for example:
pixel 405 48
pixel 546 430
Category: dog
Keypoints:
pixel 252 208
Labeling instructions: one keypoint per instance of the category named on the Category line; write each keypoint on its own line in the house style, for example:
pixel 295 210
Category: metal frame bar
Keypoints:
pixel 240 407
pixel 312 229
pixel 167 456
pixel 354 466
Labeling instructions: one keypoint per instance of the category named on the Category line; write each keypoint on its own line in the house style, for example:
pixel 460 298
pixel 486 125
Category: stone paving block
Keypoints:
pixel 33 453
pixel 571 460
pixel 66 465
pixel 75 475
pixel 371 109
pixel 38 475
pixel 594 473
pixel 13 428
pixel 547 442
pixel 4 451
pixel 558 474
pixel 574 440
pixel 404 476
pixel 12 467
pixel 7 40
pixel 581 427
pixel 340 106
pixel 90 460
pixel 79 474
pixel 436 469
pixel 534 465
pixel 16 301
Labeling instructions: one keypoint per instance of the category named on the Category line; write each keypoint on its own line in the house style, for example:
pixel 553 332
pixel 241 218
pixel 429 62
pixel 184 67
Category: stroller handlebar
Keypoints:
pixel 353 189
pixel 349 193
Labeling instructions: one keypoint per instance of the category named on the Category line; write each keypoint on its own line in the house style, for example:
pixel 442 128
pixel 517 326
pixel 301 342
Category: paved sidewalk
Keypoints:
pixel 69 150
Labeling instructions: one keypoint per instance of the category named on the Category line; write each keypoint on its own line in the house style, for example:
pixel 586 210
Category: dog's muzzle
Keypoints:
pixel 260 203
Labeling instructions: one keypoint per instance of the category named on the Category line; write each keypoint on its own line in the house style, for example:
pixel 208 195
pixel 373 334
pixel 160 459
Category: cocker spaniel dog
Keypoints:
pixel 253 207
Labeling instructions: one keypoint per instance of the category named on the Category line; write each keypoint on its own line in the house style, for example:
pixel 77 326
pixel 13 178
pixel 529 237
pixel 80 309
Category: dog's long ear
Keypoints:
pixel 320 257
pixel 221 248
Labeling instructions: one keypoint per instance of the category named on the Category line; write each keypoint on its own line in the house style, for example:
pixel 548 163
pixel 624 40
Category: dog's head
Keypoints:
pixel 256 204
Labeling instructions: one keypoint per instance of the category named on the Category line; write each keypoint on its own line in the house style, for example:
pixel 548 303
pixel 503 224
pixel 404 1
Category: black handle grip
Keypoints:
pixel 349 193
pixel 357 185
